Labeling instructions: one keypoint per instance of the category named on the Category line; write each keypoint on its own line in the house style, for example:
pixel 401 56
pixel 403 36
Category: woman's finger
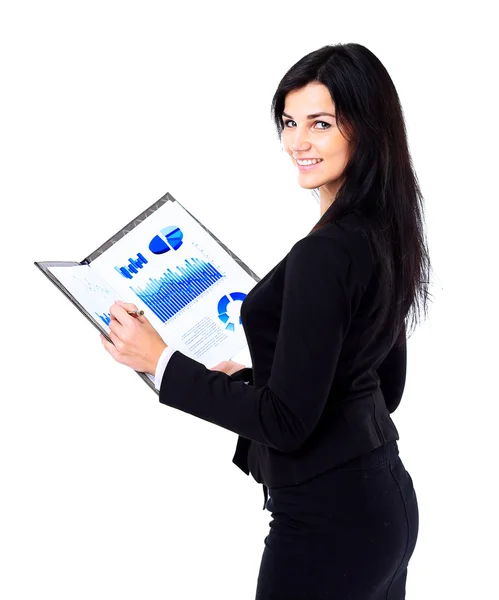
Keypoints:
pixel 116 341
pixel 108 345
pixel 120 314
pixel 222 366
pixel 115 326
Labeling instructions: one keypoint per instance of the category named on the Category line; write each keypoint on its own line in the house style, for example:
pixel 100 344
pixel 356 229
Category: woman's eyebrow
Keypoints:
pixel 320 114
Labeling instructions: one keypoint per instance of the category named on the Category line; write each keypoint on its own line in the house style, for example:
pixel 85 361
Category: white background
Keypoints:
pixel 105 106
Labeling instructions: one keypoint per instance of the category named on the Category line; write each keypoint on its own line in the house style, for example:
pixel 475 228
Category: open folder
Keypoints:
pixel 189 285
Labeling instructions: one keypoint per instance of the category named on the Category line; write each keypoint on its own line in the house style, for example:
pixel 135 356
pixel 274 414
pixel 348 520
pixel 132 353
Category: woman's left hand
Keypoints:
pixel 136 343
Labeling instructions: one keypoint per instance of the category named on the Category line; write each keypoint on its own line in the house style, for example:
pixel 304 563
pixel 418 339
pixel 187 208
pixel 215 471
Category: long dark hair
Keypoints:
pixel 379 183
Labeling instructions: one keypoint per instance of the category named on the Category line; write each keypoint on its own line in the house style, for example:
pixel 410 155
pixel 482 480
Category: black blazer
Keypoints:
pixel 321 388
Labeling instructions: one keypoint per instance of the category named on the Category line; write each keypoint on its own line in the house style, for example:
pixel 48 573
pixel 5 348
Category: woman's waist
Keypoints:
pixel 337 477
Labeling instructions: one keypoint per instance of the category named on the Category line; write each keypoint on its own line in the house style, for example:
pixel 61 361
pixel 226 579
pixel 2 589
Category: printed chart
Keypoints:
pixel 89 289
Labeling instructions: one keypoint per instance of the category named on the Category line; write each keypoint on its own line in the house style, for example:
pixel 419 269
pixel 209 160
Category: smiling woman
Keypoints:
pixel 326 330
pixel 318 147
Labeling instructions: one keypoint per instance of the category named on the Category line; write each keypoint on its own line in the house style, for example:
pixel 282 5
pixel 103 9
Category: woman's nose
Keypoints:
pixel 299 142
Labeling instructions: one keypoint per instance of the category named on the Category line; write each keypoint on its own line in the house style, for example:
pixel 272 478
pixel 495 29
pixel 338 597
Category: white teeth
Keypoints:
pixel 304 163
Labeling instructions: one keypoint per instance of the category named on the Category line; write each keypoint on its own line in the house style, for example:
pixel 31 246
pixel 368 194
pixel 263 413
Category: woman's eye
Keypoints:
pixel 327 125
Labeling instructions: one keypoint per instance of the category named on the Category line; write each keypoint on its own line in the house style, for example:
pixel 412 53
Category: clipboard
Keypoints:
pixel 199 280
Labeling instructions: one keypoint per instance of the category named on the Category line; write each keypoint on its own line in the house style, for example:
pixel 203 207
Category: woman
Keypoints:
pixel 326 329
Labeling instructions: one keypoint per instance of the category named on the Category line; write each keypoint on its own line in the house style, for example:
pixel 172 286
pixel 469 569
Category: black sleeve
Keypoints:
pixel 245 374
pixel 392 372
pixel 320 291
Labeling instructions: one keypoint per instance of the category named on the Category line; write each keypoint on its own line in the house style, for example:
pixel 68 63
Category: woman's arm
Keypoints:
pixel 321 291
pixel 245 375
pixel 161 366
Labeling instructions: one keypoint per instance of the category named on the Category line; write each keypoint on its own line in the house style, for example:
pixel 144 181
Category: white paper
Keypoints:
pixel 91 291
pixel 179 275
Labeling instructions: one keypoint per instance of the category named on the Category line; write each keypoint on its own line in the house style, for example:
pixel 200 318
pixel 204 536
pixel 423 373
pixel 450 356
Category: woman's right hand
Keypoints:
pixel 228 366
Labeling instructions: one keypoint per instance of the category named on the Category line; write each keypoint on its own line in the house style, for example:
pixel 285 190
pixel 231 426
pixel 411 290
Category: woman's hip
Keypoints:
pixel 370 499
pixel 355 525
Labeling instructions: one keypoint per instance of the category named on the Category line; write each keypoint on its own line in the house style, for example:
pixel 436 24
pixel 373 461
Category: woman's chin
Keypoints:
pixel 307 185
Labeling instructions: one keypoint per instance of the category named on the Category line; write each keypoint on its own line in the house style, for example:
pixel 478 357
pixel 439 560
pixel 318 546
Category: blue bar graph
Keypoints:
pixel 169 294
pixel 132 268
pixel 106 318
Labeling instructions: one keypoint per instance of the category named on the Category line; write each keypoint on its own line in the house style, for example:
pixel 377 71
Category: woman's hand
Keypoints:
pixel 228 366
pixel 136 343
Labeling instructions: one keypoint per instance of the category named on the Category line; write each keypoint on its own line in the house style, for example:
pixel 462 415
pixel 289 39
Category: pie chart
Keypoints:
pixel 170 238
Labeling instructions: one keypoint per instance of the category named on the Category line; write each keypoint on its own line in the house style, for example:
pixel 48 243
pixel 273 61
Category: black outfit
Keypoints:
pixel 320 391
pixel 346 534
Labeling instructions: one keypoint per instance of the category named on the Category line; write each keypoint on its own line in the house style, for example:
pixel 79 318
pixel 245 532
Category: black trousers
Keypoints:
pixel 347 534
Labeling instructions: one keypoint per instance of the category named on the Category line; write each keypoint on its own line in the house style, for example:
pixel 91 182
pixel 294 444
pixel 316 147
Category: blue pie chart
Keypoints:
pixel 170 238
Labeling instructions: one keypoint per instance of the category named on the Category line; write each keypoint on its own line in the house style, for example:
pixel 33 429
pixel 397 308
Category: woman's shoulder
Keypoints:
pixel 349 234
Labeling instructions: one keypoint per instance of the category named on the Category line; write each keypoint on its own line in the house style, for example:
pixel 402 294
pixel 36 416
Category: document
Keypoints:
pixel 188 283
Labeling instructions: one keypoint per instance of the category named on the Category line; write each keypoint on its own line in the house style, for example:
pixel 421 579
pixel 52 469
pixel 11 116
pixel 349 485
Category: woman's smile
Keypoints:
pixel 308 166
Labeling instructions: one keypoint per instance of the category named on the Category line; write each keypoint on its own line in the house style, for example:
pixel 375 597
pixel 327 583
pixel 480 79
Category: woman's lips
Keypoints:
pixel 304 168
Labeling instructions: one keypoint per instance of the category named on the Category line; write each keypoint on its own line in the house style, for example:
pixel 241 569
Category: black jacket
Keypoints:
pixel 321 388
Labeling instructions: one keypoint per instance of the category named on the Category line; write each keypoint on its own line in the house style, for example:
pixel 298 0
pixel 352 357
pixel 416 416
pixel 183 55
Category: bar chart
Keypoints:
pixel 133 266
pixel 105 318
pixel 172 291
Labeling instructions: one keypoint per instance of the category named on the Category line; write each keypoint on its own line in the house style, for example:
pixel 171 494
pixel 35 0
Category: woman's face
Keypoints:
pixel 310 134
